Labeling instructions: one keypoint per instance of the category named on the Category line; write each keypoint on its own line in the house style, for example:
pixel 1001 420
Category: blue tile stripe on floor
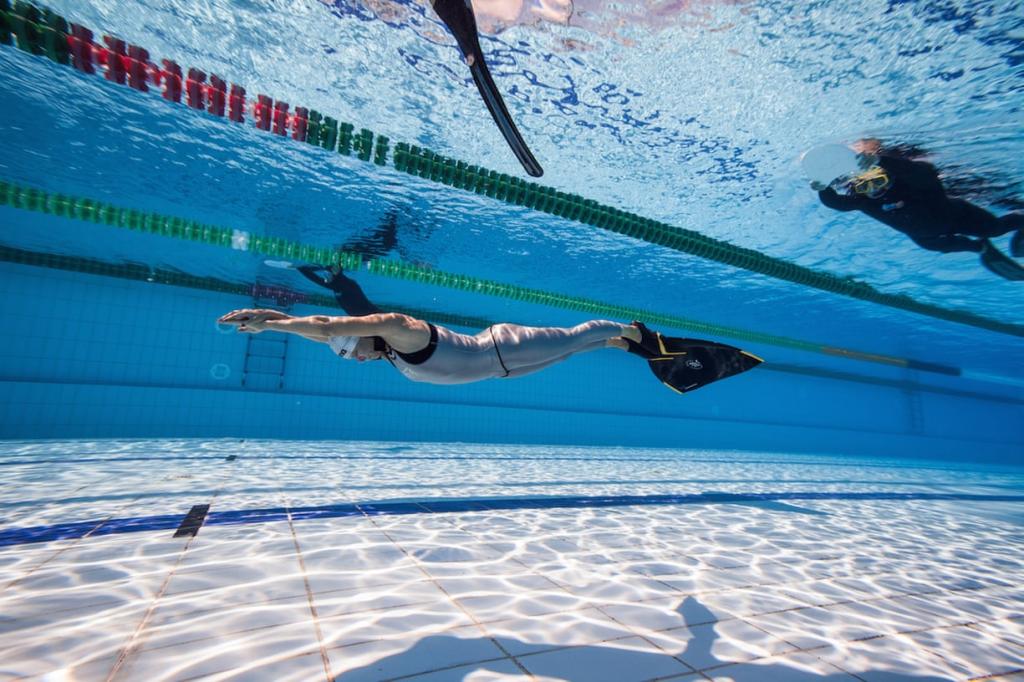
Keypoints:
pixel 96 528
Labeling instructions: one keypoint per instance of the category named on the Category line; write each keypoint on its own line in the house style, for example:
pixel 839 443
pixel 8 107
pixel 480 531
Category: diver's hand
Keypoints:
pixel 818 186
pixel 252 320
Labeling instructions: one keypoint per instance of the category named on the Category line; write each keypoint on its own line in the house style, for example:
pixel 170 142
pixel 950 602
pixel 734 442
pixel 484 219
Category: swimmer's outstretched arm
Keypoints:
pixel 399 331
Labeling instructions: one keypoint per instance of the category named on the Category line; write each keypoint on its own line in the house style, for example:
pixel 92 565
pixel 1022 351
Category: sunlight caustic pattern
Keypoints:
pixel 823 589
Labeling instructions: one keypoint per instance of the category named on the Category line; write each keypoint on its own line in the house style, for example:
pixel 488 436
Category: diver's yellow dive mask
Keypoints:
pixel 871 183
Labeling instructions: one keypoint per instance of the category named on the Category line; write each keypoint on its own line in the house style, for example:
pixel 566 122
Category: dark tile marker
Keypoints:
pixel 193 521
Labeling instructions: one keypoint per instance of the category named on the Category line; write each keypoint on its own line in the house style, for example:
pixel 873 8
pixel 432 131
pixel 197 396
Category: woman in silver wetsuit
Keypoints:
pixel 428 353
pixel 501 350
pixel 432 354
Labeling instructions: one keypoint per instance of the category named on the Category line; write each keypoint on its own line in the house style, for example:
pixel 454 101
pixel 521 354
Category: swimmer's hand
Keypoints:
pixel 252 320
pixel 818 186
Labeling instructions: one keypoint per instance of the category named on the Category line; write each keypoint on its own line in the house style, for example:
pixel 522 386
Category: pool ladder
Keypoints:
pixel 265 354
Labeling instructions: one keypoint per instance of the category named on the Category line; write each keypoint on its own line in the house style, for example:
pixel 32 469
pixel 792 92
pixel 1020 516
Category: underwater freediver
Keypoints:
pixel 908 196
pixel 430 353
pixel 377 243
pixel 458 16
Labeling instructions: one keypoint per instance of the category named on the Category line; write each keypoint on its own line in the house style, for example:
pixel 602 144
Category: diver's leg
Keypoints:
pixel 1015 221
pixel 530 369
pixel 350 296
pixel 347 291
pixel 532 348
pixel 966 218
pixel 1012 221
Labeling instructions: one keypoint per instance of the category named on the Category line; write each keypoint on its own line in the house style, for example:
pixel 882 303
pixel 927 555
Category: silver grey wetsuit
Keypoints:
pixel 502 350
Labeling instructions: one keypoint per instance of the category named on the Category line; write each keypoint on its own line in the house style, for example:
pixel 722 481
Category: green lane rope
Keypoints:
pixel 43 32
pixel 145 273
pixel 32 199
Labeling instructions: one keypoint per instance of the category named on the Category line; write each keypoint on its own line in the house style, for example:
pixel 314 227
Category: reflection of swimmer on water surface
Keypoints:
pixel 599 17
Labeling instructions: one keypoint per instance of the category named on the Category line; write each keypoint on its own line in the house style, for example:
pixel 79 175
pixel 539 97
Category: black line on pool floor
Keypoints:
pixel 193 521
pixel 77 529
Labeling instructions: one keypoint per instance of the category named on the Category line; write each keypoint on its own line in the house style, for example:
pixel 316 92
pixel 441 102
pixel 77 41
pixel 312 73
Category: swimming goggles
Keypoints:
pixel 871 183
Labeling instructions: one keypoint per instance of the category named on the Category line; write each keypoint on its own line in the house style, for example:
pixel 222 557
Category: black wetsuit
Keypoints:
pixel 916 204
pixel 376 243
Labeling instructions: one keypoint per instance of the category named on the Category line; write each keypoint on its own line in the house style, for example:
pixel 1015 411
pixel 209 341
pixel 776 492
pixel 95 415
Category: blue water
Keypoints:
pixel 693 114
pixel 179 500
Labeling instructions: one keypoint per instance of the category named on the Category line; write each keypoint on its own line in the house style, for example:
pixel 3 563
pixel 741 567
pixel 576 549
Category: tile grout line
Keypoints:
pixel 133 643
pixel 996 676
pixel 75 543
pixel 599 608
pixel 452 599
pixel 310 599
pixel 795 649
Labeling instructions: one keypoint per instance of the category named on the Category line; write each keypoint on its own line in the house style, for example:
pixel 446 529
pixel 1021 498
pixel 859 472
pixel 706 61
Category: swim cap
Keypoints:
pixel 344 345
pixel 829 162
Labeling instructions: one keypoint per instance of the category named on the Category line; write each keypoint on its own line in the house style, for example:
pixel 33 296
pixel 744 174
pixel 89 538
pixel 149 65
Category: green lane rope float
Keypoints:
pixel 61 205
pixel 42 32
pixel 144 273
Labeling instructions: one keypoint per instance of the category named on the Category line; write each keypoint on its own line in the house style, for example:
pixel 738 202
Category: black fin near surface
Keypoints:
pixel 688 364
pixel 458 16
pixel 1001 264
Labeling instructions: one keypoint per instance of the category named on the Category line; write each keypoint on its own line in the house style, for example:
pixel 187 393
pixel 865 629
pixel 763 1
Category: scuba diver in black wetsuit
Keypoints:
pixel 908 196
pixel 458 16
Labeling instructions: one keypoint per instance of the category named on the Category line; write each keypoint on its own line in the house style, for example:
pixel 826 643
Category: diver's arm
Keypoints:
pixel 833 200
pixel 403 333
pixel 950 243
pixel 400 331
pixel 327 326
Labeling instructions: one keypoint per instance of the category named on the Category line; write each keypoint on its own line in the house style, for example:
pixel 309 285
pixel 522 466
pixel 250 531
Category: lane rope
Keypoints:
pixel 46 33
pixel 64 206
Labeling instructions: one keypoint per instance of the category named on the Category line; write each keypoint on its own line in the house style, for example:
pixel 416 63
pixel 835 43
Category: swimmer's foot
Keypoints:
pixel 312 272
pixel 1017 244
pixel 338 281
pixel 648 346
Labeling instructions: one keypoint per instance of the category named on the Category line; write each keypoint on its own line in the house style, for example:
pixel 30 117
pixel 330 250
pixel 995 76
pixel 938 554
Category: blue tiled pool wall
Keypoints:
pixel 95 356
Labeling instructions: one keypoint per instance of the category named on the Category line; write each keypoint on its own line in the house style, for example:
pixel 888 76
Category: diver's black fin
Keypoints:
pixel 688 364
pixel 1001 264
pixel 492 98
pixel 458 16
pixel 1017 244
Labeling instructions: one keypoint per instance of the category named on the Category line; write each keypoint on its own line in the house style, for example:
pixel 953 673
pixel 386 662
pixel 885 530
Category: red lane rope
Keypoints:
pixel 130 65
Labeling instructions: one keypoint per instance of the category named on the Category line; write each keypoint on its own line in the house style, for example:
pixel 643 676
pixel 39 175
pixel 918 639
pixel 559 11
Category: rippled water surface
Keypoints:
pixel 691 112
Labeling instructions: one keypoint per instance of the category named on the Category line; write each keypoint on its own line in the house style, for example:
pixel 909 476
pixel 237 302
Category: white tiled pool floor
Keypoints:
pixel 845 586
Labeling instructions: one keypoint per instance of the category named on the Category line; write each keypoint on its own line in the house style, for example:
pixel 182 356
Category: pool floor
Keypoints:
pixel 386 561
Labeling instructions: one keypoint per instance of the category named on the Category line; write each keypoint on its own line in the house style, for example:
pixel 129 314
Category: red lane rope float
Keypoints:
pixel 130 65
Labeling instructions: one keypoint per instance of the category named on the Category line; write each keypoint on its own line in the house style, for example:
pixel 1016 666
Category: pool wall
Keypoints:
pixel 100 357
